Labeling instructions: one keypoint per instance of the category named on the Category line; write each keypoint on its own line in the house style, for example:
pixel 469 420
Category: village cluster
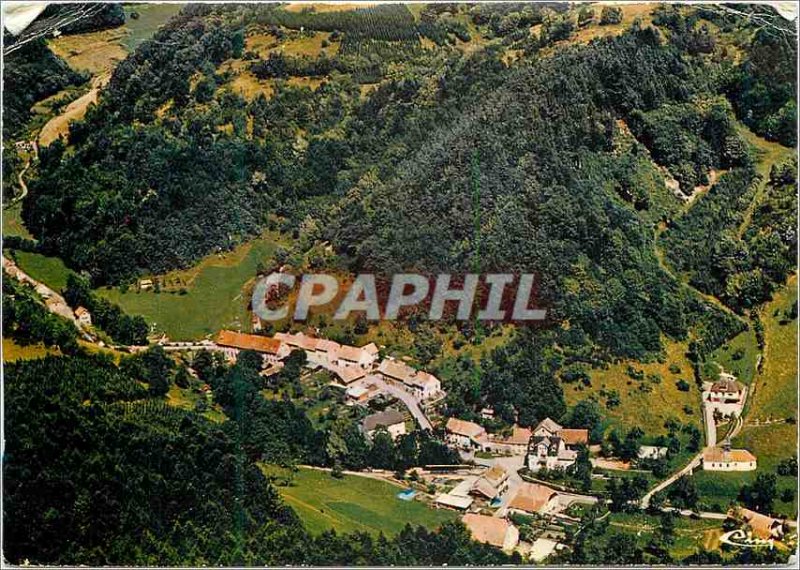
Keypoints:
pixel 498 479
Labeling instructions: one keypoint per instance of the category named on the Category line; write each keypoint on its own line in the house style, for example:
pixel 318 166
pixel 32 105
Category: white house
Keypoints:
pixel 425 386
pixel 83 316
pixel 726 390
pixel 354 356
pixel 491 484
pixel 726 459
pixel 549 452
pixel 464 434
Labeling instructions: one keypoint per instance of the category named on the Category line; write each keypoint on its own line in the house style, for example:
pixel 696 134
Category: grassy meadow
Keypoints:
pixel 49 270
pixel 13 351
pixel 353 503
pixel 690 535
pixel 775 397
pixel 776 387
pixel 648 410
pixel 12 222
pixel 211 295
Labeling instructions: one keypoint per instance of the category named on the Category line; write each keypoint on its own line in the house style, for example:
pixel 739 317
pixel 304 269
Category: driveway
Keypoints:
pixel 404 396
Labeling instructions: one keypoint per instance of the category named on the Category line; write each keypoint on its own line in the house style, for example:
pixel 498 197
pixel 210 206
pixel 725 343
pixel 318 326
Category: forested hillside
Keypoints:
pixel 563 158
pixel 110 474
pixel 32 73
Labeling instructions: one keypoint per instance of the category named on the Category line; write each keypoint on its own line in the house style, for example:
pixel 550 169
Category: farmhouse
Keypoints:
pixel 572 438
pixel 353 356
pixel 464 434
pixel 233 342
pixel 532 498
pixel 299 340
pixel 726 459
pixel 492 530
pixel 726 390
pixel 516 443
pixel 423 385
pixel 553 446
pixel 347 374
pixel 396 370
pixel 392 420
pixel 491 484
pixel 547 427
pixel 83 316
pixel 761 526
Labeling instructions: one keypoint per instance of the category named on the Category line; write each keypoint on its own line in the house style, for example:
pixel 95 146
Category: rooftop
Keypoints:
pixel 719 455
pixel 532 498
pixel 243 341
pixel 396 369
pixel 574 436
pixel 385 419
pixel 548 426
pixel 727 385
pixel 489 530
pixel 463 427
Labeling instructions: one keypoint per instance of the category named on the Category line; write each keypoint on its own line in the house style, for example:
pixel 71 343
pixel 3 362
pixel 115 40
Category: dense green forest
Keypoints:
pixel 32 73
pixel 27 320
pixel 110 474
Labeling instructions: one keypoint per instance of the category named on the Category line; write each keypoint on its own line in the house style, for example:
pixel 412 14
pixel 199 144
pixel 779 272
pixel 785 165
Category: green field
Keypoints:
pixel 353 503
pixel 691 535
pixel 739 356
pixel 775 397
pixel 49 270
pixel 13 351
pixel 151 18
pixel 776 388
pixel 647 410
pixel 214 298
pixel 12 222
pixel 770 444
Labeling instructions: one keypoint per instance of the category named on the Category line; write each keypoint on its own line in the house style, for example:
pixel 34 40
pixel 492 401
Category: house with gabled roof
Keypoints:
pixel 494 531
pixel 233 342
pixel 760 526
pixel 726 390
pixel 391 420
pixel 723 458
pixel 491 484
pixel 532 498
pixel 549 452
pixel 464 434
pixel 571 437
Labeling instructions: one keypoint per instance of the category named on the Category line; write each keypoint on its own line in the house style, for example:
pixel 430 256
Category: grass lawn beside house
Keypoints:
pixel 770 445
pixel 353 503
